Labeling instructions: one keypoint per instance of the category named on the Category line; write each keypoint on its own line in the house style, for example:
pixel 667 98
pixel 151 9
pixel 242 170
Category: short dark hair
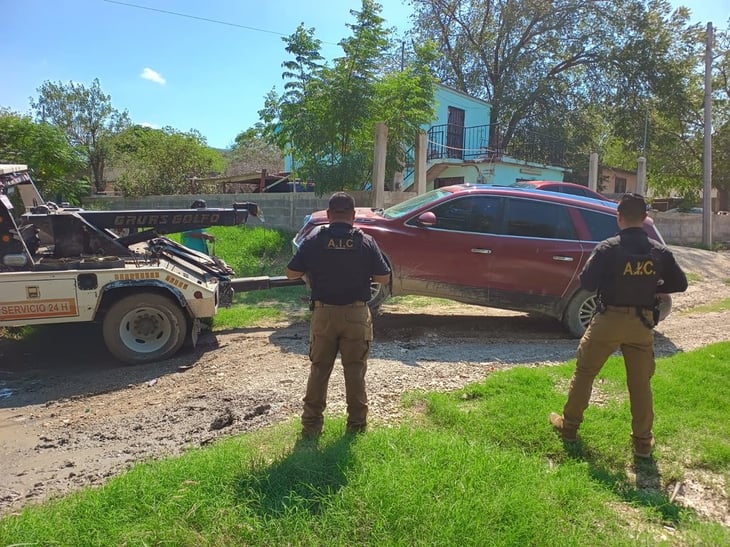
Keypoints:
pixel 198 204
pixel 632 207
pixel 341 202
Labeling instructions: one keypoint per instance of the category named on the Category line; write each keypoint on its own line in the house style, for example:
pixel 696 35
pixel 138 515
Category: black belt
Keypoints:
pixel 357 304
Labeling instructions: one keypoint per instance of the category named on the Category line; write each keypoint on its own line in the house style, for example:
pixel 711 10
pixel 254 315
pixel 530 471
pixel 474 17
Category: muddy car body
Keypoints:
pixel 503 247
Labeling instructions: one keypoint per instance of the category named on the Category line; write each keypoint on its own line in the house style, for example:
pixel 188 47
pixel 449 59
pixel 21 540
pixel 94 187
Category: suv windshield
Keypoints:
pixel 405 207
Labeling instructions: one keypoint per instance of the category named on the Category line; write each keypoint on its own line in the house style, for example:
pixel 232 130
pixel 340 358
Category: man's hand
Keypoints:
pixel 209 237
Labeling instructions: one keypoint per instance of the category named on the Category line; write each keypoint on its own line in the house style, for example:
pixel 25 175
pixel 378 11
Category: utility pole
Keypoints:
pixel 707 151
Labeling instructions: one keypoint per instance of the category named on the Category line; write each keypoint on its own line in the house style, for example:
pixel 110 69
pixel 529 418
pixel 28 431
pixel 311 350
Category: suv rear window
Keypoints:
pixel 600 225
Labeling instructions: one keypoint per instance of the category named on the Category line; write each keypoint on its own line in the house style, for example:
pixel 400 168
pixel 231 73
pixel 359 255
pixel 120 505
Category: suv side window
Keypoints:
pixel 530 218
pixel 600 225
pixel 479 214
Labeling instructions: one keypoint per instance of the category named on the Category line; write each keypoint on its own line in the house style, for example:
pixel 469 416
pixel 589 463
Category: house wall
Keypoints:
pixel 607 181
pixel 506 172
pixel 476 112
pixel 499 173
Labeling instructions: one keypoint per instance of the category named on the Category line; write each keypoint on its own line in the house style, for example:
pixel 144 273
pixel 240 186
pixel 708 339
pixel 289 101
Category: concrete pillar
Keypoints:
pixel 641 176
pixel 421 170
pixel 381 146
pixel 593 172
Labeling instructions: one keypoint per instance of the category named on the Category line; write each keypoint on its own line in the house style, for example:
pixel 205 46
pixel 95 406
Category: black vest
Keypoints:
pixel 634 278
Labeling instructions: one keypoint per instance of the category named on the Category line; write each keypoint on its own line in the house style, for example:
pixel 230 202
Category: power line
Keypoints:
pixel 206 19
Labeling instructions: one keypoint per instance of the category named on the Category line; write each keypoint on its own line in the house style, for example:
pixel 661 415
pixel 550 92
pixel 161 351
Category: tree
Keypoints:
pixel 54 164
pixel 163 161
pixel 252 153
pixel 326 118
pixel 86 116
pixel 582 71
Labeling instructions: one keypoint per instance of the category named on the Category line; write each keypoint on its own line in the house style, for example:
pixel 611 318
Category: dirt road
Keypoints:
pixel 71 417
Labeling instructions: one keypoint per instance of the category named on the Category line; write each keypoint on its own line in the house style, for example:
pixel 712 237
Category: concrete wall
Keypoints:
pixel 287 211
pixel 686 228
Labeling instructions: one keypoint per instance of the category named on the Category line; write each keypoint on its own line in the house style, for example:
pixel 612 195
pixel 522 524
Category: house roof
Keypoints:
pixel 454 90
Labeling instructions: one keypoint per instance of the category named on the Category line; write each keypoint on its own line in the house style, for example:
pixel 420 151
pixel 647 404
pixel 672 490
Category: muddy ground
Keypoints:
pixel 72 417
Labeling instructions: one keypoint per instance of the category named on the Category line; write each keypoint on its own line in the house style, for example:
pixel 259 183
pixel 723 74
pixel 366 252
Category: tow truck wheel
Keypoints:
pixel 144 327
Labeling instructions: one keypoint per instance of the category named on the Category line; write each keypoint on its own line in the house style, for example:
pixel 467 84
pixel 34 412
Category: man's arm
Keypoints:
pixel 293 274
pixel 674 278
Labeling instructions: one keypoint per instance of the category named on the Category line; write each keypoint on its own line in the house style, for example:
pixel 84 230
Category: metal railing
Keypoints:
pixel 447 142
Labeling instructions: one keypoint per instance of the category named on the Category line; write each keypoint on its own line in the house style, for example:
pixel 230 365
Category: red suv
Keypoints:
pixel 497 246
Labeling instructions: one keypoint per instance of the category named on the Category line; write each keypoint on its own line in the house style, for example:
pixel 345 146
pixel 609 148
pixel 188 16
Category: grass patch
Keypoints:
pixel 719 306
pixel 421 301
pixel 693 277
pixel 480 466
pixel 257 251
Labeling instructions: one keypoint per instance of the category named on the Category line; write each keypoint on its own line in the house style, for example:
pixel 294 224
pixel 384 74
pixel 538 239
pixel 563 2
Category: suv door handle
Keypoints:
pixel 482 251
pixel 563 258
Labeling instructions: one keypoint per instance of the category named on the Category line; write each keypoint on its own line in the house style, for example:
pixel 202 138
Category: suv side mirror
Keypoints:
pixel 427 219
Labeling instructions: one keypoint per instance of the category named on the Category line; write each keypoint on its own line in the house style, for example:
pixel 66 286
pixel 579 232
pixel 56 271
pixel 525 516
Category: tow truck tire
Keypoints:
pixel 579 312
pixel 145 327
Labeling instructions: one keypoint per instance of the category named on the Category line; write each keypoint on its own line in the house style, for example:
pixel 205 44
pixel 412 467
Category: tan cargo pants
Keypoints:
pixel 618 327
pixel 349 331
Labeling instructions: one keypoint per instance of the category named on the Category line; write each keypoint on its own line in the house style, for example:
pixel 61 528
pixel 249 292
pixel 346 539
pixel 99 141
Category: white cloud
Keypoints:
pixel 152 76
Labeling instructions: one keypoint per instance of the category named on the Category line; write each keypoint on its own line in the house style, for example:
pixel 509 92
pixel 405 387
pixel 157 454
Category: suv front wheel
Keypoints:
pixel 579 312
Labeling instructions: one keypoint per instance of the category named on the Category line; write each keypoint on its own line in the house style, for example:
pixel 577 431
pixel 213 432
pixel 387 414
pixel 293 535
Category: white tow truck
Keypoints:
pixel 60 264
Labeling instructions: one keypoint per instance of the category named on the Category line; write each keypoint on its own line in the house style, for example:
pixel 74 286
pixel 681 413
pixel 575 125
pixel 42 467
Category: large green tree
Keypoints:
pixel 589 73
pixel 326 118
pixel 54 164
pixel 86 116
pixel 163 161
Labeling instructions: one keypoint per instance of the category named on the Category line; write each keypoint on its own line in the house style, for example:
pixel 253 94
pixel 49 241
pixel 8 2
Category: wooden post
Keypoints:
pixel 421 170
pixel 593 172
pixel 641 176
pixel 262 181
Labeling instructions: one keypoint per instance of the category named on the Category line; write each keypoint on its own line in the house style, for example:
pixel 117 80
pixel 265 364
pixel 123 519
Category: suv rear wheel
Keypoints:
pixel 378 295
pixel 579 312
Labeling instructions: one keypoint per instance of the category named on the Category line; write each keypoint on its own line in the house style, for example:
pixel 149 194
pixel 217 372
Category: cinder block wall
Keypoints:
pixel 686 228
pixel 287 211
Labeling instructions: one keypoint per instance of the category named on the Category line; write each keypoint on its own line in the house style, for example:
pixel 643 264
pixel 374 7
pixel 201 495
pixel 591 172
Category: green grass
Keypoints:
pixel 421 301
pixel 693 277
pixel 480 466
pixel 718 306
pixel 256 251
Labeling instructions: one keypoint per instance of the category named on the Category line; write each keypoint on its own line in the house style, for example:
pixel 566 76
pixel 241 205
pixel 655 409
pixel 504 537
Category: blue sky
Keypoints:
pixel 167 70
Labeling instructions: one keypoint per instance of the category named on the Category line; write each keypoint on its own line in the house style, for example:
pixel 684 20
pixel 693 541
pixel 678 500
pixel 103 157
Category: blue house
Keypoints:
pixel 459 151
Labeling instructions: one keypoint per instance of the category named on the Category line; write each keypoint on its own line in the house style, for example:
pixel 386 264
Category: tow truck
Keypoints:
pixel 63 264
